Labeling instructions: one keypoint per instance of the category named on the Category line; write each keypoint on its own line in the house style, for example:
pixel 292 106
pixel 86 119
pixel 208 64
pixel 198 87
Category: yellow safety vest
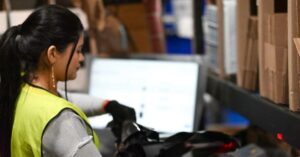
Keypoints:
pixel 35 108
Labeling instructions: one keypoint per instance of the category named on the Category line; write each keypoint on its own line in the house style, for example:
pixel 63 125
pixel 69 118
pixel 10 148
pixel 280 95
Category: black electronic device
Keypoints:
pixel 139 141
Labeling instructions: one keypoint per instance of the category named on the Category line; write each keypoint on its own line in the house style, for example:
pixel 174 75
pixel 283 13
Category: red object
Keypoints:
pixel 279 136
pixel 104 105
pixel 227 147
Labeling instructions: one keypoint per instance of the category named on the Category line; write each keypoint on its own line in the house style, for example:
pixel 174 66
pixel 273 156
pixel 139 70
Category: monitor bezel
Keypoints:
pixel 201 82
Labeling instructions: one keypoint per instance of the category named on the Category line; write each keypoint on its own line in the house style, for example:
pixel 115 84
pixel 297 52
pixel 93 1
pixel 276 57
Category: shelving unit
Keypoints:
pixel 259 111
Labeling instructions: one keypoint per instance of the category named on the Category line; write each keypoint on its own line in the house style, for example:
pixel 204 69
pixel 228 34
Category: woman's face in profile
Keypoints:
pixel 60 66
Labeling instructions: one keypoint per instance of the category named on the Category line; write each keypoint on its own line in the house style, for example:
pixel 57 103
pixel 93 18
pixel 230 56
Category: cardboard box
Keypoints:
pixel 277 71
pixel 293 57
pixel 245 13
pixel 273 72
pixel 134 17
pixel 279 29
pixel 249 57
pixel 264 7
pixel 276 60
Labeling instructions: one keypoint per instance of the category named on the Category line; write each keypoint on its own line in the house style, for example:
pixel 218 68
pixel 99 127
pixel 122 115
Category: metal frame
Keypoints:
pixel 271 117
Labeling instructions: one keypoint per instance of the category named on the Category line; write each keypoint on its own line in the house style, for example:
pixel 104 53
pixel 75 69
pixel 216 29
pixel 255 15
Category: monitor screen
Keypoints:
pixel 163 93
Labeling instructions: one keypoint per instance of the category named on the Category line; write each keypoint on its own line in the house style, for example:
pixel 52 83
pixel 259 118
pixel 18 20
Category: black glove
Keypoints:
pixel 120 113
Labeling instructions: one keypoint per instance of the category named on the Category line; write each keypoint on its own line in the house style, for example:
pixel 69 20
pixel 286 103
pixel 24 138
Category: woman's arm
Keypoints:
pixel 68 136
pixel 90 105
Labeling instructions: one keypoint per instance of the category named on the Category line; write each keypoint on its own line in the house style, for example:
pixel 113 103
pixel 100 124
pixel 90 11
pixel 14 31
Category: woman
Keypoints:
pixel 34 119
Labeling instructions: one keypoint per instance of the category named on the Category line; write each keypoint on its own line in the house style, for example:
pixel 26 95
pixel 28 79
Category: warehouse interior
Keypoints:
pixel 216 78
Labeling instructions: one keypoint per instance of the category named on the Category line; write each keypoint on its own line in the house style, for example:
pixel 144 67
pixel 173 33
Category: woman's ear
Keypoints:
pixel 52 54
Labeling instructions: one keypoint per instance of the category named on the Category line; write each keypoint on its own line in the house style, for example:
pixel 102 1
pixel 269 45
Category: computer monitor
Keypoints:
pixel 166 92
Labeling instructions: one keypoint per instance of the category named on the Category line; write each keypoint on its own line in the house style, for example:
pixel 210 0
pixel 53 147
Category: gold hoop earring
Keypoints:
pixel 53 77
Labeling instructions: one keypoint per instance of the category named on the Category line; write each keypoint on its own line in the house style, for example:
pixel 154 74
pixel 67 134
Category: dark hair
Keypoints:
pixel 20 50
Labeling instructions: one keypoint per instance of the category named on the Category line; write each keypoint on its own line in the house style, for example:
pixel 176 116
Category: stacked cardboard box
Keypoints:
pixel 273 50
pixel 293 57
pixel 249 65
pixel 247 44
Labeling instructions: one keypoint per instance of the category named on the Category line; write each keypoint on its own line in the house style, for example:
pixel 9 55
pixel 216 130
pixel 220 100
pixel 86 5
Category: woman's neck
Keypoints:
pixel 44 81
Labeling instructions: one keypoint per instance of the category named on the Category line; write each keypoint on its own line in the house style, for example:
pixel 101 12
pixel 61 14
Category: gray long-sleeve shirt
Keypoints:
pixel 67 135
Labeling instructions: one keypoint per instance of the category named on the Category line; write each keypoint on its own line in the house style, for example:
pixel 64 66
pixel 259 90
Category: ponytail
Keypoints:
pixel 10 82
pixel 21 48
